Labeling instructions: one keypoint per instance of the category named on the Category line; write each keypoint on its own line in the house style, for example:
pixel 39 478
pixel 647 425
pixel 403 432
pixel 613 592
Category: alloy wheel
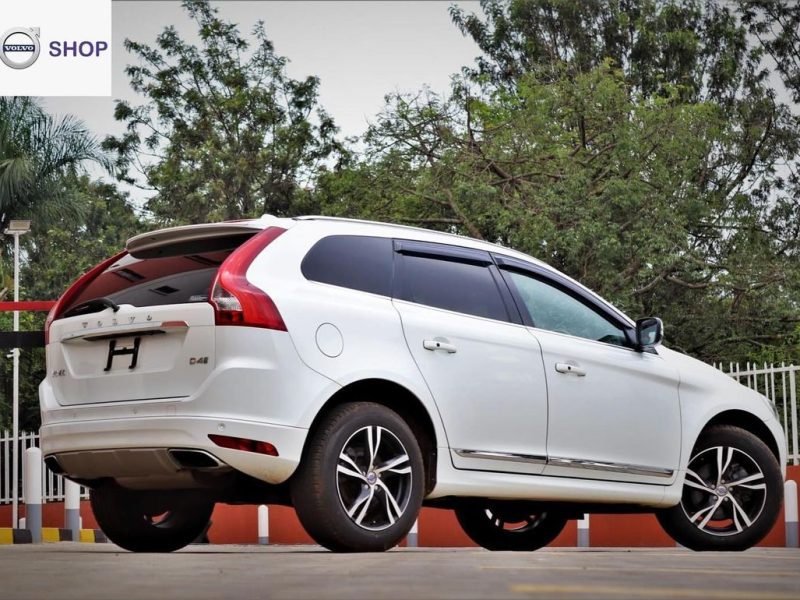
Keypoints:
pixel 724 491
pixel 374 478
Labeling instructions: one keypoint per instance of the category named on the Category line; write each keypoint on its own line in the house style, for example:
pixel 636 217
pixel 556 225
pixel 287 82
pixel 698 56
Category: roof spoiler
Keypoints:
pixel 145 243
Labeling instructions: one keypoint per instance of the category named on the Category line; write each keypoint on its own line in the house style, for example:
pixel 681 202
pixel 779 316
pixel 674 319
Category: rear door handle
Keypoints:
pixel 438 345
pixel 570 369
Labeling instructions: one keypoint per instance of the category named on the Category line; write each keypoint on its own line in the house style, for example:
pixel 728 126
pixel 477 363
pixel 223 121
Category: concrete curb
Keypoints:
pixel 15 536
pixel 50 535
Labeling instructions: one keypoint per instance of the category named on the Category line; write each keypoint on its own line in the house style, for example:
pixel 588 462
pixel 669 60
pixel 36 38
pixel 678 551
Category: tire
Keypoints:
pixel 144 522
pixel 360 484
pixel 745 512
pixel 515 526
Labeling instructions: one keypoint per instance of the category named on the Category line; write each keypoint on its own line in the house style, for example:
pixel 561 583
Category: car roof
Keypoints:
pixel 430 234
pixel 147 241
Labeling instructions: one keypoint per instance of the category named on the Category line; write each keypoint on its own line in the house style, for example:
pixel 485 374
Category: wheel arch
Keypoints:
pixel 397 398
pixel 748 422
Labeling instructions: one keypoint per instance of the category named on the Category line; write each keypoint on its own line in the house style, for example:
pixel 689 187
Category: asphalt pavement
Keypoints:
pixel 69 570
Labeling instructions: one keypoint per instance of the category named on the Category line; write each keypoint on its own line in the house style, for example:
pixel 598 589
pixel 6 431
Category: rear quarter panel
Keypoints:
pixel 368 327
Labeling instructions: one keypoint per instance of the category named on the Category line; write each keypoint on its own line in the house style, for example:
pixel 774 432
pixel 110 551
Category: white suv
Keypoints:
pixel 357 371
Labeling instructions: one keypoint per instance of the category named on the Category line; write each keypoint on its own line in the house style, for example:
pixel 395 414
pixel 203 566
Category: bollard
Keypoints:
pixel 412 540
pixel 790 513
pixel 72 508
pixel 263 524
pixel 32 488
pixel 583 532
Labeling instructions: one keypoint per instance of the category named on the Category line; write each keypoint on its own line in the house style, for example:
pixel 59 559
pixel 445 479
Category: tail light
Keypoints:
pixel 73 291
pixel 236 301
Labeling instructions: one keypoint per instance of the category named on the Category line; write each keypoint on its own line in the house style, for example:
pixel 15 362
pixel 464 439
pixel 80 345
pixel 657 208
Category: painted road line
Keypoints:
pixel 638 569
pixel 619 591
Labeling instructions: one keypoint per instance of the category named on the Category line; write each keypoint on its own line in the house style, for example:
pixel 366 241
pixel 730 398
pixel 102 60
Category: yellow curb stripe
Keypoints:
pixel 50 534
pixel 6 535
pixel 87 535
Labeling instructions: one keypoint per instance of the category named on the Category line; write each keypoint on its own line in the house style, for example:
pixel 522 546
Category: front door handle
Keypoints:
pixel 438 345
pixel 570 369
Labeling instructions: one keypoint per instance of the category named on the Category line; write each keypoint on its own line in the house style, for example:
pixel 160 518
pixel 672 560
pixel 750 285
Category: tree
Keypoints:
pixel 636 147
pixel 225 132
pixel 697 48
pixel 57 256
pixel 53 259
pixel 39 158
pixel 776 25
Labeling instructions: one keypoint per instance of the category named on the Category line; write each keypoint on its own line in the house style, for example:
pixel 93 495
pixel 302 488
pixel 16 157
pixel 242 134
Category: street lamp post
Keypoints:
pixel 16 228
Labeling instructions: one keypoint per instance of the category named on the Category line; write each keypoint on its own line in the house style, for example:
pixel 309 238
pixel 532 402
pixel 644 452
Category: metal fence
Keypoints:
pixel 778 383
pixel 52 484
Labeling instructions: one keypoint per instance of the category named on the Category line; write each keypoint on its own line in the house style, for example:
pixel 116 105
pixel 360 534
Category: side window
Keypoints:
pixel 458 286
pixel 353 261
pixel 554 310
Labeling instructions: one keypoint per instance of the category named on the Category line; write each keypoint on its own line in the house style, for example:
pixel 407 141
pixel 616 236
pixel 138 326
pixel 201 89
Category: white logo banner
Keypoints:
pixel 55 48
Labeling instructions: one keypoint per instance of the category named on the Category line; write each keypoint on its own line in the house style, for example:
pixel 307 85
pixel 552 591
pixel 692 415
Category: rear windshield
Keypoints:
pixel 179 276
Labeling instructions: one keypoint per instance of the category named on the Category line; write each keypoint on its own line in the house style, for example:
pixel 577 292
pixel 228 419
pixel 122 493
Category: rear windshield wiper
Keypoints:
pixel 91 306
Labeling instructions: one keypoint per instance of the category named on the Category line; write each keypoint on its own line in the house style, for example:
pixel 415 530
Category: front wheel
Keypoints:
pixel 149 522
pixel 732 493
pixel 360 485
pixel 505 525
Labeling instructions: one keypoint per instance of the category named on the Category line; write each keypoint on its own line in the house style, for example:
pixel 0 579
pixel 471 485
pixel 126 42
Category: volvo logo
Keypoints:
pixel 19 47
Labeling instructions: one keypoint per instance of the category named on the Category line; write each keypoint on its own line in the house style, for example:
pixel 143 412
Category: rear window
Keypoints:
pixel 357 262
pixel 176 276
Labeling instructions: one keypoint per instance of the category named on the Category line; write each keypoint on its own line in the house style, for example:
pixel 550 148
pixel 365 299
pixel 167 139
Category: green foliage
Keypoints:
pixel 41 166
pixel 39 158
pixel 224 132
pixel 31 369
pixel 59 255
pixel 776 25
pixel 635 146
pixel 52 260
pixel 661 46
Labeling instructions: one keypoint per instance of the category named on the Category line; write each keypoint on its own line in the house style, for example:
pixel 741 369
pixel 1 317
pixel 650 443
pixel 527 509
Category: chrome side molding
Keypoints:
pixel 574 463
pixel 594 465
pixel 504 456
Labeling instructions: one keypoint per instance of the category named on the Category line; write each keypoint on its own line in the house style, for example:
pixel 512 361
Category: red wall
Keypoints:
pixel 437 527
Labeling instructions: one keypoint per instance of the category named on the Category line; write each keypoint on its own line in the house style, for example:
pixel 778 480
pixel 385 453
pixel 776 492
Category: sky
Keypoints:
pixel 360 50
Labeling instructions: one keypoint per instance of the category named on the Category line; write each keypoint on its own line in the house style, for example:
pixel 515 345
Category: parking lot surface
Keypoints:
pixel 70 570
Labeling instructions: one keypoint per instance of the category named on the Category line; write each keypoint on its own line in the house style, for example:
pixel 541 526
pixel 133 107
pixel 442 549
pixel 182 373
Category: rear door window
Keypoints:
pixel 452 282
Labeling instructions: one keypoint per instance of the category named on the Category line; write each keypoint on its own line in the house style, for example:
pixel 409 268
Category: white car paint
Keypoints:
pixel 630 409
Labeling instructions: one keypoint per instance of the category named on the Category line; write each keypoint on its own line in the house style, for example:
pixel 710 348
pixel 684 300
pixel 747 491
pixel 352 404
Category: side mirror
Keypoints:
pixel 649 332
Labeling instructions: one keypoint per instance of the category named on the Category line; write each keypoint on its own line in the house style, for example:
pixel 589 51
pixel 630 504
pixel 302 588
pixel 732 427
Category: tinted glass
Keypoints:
pixel 554 310
pixel 352 261
pixel 457 286
pixel 155 281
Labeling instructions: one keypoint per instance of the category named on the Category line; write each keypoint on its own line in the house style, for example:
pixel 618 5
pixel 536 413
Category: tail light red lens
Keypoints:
pixel 236 301
pixel 75 290
pixel 243 444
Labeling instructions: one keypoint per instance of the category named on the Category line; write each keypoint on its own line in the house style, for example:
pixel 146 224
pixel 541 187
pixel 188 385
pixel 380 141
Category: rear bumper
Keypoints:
pixel 259 390
pixel 91 446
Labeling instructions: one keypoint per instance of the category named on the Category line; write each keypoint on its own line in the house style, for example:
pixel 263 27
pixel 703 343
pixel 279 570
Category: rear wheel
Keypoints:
pixel 149 522
pixel 360 485
pixel 732 493
pixel 504 525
